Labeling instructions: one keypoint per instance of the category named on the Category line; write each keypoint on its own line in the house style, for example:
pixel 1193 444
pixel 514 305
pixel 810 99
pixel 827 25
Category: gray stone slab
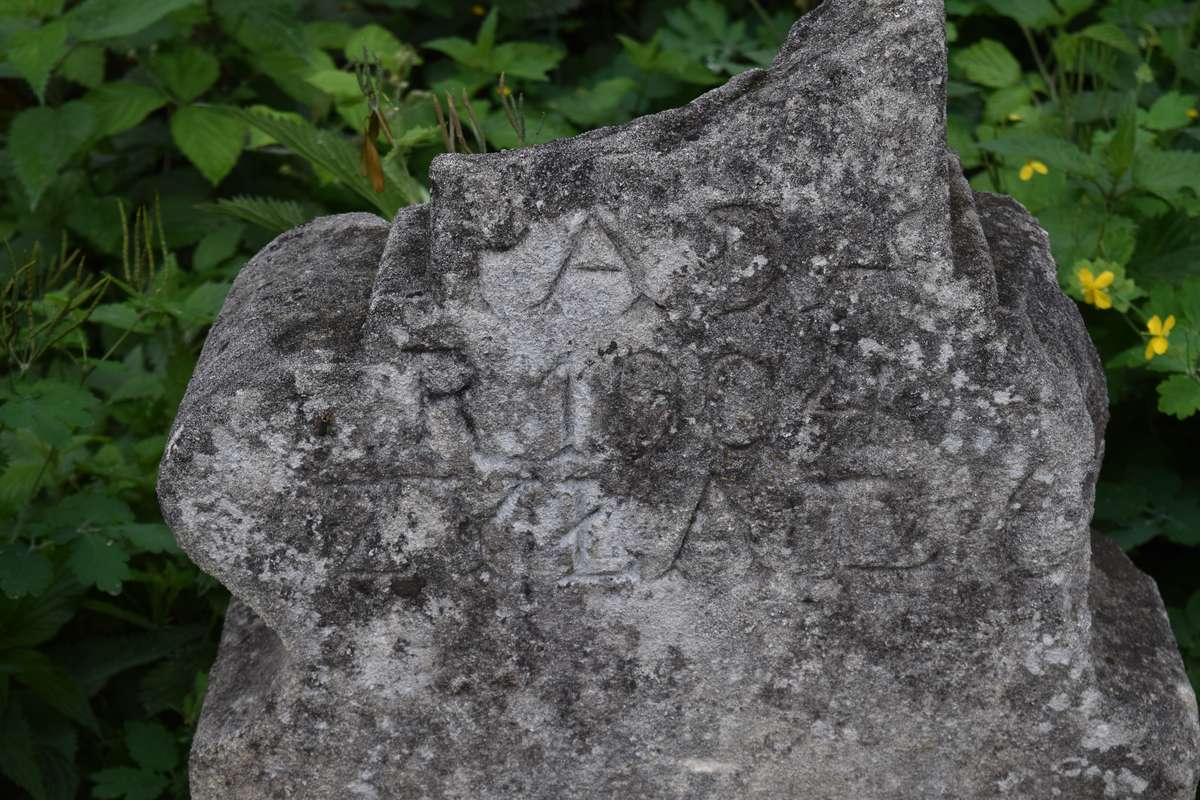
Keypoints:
pixel 741 451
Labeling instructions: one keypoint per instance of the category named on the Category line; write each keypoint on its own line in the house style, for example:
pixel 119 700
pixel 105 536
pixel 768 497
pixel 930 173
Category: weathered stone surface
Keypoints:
pixel 738 452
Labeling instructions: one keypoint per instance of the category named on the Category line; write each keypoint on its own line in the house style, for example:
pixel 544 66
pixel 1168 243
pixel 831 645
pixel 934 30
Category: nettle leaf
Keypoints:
pixel 1003 102
pixel 1167 172
pixel 152 746
pixel 80 513
pixel 96 560
pixel 128 783
pixel 31 621
pixel 338 83
pixel 42 140
pixel 149 537
pixel 599 105
pixel 529 60
pixel 95 661
pixel 1073 8
pixel 1118 154
pixel 52 684
pixel 93 20
pixel 381 44
pixel 1037 14
pixel 457 48
pixel 334 154
pixel 204 302
pixel 35 52
pixel 84 65
pixel 989 63
pixel 1058 154
pixel 268 213
pixel 51 410
pixel 122 316
pixel 217 247
pixel 210 139
pixel 187 71
pixel 652 57
pixel 122 105
pixel 18 761
pixel 328 34
pixel 1170 112
pixel 23 571
pixel 1179 395
pixel 1109 35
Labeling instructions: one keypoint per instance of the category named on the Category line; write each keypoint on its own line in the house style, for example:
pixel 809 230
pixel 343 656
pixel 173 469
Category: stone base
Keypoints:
pixel 751 705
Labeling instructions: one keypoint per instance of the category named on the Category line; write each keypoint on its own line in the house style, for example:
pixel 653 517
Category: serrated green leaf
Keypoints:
pixel 1167 172
pixel 51 410
pixel 1109 35
pixel 328 34
pixel 99 561
pixel 530 60
pixel 653 57
pixel 166 685
pixel 95 661
pixel 1119 153
pixel 1058 154
pixel 76 514
pixel 1004 102
pixel 204 302
pixel 485 40
pixel 93 20
pixel 456 47
pixel 30 621
pixel 17 757
pixel 35 52
pixel 84 65
pixel 1179 396
pixel 989 63
pixel 152 746
pixel 122 105
pixel 336 155
pixel 210 139
pixel 26 458
pixel 602 104
pixel 382 45
pixel 52 684
pixel 1073 8
pixel 98 219
pixel 149 537
pixel 1036 14
pixel 268 213
pixel 1170 112
pixel 23 571
pixel 128 783
pixel 187 71
pixel 122 316
pixel 59 771
pixel 42 140
pixel 217 247
pixel 337 83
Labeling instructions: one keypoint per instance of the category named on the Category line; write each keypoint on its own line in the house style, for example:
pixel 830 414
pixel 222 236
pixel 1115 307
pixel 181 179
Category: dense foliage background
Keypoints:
pixel 149 148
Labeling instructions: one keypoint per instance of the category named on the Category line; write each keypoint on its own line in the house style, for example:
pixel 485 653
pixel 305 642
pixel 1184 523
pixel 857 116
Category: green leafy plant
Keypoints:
pixel 168 141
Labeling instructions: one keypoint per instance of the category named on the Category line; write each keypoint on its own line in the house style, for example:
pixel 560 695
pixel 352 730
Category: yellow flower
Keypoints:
pixel 1015 117
pixel 1094 293
pixel 1193 114
pixel 1159 331
pixel 1032 167
pixel 506 90
pixel 479 10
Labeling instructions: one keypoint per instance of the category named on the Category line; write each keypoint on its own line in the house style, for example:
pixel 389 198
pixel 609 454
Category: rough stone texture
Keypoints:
pixel 738 452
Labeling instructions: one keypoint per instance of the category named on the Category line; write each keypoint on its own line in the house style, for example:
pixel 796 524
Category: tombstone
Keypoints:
pixel 741 451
